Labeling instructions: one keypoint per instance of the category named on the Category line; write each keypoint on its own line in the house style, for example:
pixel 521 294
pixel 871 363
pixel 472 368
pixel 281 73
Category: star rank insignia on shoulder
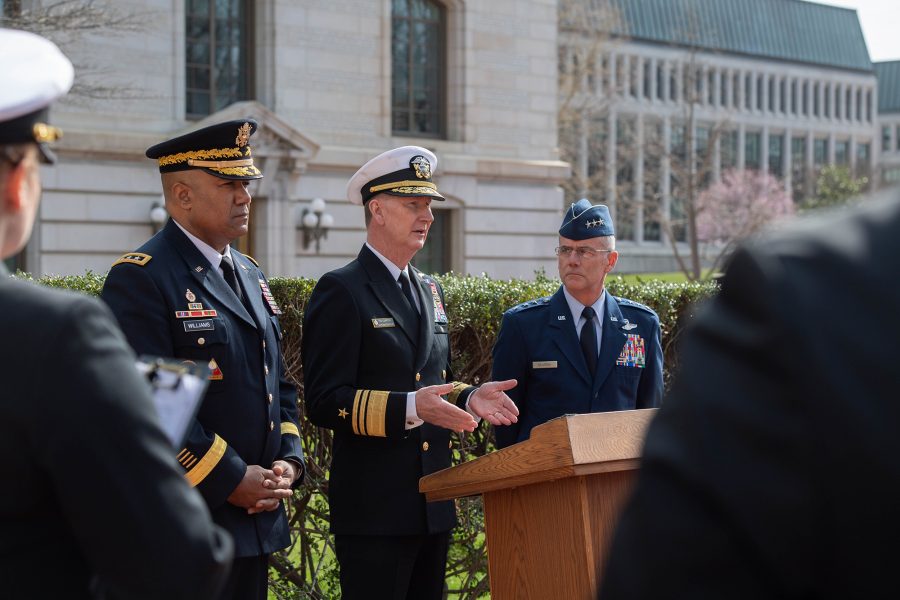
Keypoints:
pixel 134 258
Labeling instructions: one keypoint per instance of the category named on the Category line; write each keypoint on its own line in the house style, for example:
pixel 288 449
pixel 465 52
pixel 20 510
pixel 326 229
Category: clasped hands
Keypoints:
pixel 262 489
pixel 489 402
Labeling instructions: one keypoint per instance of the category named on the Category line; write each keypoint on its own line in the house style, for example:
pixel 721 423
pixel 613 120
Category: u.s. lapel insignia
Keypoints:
pixel 440 316
pixel 215 373
pixel 560 317
pixel 270 299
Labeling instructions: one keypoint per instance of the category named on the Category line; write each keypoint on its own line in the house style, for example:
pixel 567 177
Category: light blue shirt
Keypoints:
pixel 599 310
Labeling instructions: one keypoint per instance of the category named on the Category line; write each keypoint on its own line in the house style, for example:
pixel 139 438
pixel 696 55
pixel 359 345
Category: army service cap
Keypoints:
pixel 584 220
pixel 404 171
pixel 35 73
pixel 222 150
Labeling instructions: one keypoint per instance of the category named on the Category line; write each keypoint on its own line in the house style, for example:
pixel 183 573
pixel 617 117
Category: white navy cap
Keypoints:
pixel 35 73
pixel 404 171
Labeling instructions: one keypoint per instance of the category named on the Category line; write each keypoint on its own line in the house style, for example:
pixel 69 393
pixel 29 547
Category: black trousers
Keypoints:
pixel 407 567
pixel 249 579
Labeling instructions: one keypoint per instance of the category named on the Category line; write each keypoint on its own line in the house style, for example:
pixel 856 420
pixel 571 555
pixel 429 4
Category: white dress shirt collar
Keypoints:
pixel 210 253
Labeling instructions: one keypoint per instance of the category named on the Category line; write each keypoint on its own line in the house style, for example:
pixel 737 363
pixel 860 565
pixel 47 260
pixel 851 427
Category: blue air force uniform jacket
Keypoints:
pixel 170 302
pixel 363 351
pixel 538 346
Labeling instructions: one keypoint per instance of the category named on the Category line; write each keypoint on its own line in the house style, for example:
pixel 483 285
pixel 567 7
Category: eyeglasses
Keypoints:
pixel 583 252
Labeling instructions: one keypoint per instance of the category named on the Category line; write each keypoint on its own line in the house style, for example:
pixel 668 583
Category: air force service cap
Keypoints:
pixel 222 150
pixel 35 73
pixel 584 220
pixel 404 171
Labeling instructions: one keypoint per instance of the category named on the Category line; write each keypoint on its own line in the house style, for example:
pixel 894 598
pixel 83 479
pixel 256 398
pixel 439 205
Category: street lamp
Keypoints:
pixel 315 223
pixel 158 216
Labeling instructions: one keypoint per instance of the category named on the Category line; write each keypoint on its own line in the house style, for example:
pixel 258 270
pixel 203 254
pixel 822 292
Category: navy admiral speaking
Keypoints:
pixel 186 293
pixel 376 363
pixel 581 350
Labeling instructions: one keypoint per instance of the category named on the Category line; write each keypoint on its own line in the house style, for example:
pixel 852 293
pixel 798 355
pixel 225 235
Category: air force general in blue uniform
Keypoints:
pixel 581 350
pixel 187 294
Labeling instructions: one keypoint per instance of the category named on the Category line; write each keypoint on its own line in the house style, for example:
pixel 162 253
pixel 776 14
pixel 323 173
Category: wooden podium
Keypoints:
pixel 551 502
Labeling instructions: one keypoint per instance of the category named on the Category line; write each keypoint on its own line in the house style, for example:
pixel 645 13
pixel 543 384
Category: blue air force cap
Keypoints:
pixel 584 220
pixel 35 74
pixel 222 150
pixel 404 171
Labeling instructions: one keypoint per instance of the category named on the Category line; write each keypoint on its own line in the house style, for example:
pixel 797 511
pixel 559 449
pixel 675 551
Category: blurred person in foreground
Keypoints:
pixel 771 471
pixel 94 504
pixel 581 350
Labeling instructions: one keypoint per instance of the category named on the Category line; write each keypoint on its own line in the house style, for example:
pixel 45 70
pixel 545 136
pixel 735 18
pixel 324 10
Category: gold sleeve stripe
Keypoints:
pixel 458 388
pixel 354 417
pixel 369 411
pixel 191 462
pixel 207 463
pixel 184 460
pixel 184 451
pixel 375 416
pixel 289 428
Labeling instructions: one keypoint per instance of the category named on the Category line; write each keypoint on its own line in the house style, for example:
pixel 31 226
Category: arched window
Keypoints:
pixel 418 41
pixel 218 54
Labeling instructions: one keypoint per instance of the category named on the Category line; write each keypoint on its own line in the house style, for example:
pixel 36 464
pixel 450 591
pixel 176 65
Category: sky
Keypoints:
pixel 880 21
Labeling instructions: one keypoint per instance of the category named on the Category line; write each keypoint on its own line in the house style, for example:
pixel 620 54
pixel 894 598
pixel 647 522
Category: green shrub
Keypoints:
pixel 475 305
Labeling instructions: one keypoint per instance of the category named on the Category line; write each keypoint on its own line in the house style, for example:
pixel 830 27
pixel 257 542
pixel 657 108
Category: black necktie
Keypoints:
pixel 588 339
pixel 407 291
pixel 231 277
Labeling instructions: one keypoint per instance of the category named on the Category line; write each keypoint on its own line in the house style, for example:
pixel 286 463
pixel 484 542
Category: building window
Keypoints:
pixel 805 104
pixel 897 131
pixel 660 78
pixel 885 139
pixel 625 156
pixel 752 153
pixel 648 73
pixel 653 152
pixel 434 257
pixel 218 48
pixel 842 152
pixel 815 94
pixel 820 151
pixel 736 91
pixel 838 106
pixel 771 87
pixel 418 63
pixel 776 155
pixel 729 149
pixel 798 167
pixel 862 160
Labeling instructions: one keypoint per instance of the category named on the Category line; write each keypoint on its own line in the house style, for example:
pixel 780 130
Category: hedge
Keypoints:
pixel 474 305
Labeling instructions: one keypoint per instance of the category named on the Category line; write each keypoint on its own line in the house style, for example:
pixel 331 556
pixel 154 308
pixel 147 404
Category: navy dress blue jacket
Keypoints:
pixel 249 414
pixel 363 351
pixel 538 346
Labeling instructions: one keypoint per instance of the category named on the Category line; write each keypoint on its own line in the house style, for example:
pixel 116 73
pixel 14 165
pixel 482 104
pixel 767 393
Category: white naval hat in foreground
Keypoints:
pixel 35 73
pixel 404 171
